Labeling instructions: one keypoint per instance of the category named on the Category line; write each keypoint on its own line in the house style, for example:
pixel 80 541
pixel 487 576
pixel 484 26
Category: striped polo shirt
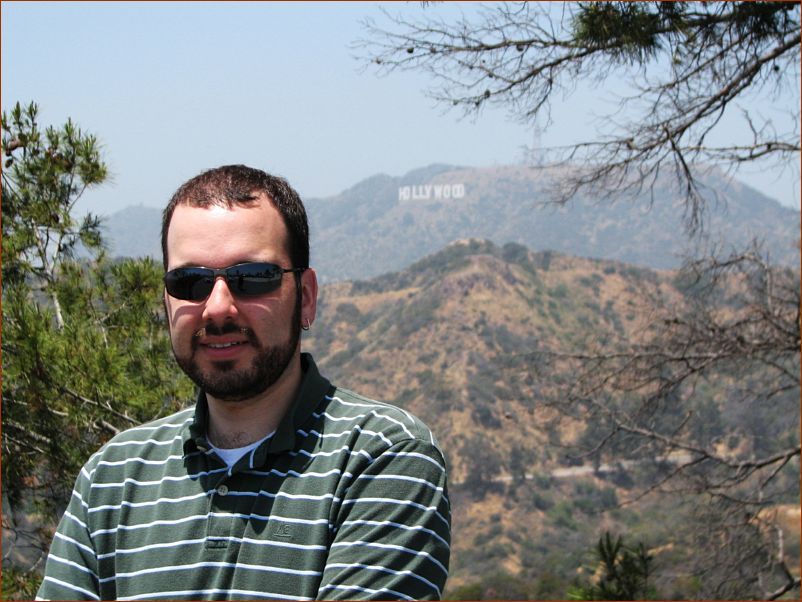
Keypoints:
pixel 347 500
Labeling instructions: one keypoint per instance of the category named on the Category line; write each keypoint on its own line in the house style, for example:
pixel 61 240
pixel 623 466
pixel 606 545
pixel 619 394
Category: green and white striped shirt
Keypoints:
pixel 347 500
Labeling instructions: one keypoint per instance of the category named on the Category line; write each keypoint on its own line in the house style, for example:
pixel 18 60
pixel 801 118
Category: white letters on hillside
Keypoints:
pixel 425 192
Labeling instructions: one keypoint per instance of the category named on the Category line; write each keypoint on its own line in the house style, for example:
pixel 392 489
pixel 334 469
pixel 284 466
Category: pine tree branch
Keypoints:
pixel 104 406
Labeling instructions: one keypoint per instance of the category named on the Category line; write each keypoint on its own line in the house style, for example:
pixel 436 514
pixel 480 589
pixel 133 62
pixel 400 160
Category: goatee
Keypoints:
pixel 223 381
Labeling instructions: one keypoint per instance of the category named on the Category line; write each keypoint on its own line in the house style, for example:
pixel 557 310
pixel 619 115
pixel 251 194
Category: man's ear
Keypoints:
pixel 308 297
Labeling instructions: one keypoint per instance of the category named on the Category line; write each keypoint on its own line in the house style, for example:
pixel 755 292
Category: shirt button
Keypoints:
pixel 222 490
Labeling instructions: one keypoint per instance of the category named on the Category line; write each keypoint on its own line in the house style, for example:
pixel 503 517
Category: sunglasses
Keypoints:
pixel 244 279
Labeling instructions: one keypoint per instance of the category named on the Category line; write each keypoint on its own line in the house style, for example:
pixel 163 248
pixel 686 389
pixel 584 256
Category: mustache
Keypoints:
pixel 228 328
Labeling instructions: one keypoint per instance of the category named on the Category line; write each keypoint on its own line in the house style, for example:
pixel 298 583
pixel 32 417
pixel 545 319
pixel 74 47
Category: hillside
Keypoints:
pixel 443 336
pixel 450 339
pixel 384 223
pixel 134 232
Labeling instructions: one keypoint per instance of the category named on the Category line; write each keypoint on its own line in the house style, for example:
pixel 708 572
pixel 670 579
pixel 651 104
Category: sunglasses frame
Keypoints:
pixel 211 275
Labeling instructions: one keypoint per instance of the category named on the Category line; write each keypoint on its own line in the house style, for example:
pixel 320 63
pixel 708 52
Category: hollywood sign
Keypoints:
pixel 425 192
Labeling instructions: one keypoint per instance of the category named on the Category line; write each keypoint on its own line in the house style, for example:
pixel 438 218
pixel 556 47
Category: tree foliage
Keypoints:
pixel 85 348
pixel 710 391
pixel 711 385
pixel 623 573
pixel 687 64
pixel 45 173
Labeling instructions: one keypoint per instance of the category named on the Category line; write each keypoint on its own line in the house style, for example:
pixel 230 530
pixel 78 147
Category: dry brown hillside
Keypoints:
pixel 451 339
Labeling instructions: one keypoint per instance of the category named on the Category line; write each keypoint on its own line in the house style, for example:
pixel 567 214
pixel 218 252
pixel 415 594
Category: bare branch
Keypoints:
pixel 104 406
pixel 519 56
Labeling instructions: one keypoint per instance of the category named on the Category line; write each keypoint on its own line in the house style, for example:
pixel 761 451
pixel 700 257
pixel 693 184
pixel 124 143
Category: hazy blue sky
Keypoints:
pixel 174 88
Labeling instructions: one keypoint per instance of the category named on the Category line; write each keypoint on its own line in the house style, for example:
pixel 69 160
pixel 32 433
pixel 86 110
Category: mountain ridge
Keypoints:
pixel 453 338
pixel 384 223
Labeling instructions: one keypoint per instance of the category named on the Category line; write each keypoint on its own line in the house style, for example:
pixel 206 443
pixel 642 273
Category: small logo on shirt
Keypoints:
pixel 283 530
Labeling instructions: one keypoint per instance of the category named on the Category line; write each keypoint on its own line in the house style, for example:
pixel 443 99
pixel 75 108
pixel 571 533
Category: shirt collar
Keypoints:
pixel 311 392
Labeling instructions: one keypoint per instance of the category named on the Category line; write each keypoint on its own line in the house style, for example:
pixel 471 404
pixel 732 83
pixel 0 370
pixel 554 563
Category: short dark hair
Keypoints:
pixel 232 185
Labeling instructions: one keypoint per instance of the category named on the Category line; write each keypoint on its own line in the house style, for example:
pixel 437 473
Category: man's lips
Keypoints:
pixel 227 342
pixel 222 349
pixel 222 345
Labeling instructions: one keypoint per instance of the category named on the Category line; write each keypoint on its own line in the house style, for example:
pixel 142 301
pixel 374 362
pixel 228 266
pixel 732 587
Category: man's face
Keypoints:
pixel 235 348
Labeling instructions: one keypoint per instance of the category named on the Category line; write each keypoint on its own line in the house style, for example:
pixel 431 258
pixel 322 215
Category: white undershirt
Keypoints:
pixel 231 456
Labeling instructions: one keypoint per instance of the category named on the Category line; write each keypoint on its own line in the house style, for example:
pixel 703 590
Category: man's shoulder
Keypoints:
pixel 158 432
pixel 160 428
pixel 392 423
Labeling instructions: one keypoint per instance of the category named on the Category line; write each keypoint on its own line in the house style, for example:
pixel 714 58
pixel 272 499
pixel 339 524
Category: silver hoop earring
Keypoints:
pixel 308 324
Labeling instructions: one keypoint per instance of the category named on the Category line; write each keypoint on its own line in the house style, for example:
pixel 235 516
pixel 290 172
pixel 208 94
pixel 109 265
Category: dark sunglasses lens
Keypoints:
pixel 190 284
pixel 254 278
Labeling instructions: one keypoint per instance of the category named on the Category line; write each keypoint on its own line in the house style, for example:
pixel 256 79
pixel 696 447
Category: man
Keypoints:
pixel 276 484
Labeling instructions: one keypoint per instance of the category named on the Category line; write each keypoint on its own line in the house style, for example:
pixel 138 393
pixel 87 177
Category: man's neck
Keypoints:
pixel 238 423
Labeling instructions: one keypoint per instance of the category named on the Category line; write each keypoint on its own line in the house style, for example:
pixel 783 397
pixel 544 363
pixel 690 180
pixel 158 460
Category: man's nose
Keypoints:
pixel 220 305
